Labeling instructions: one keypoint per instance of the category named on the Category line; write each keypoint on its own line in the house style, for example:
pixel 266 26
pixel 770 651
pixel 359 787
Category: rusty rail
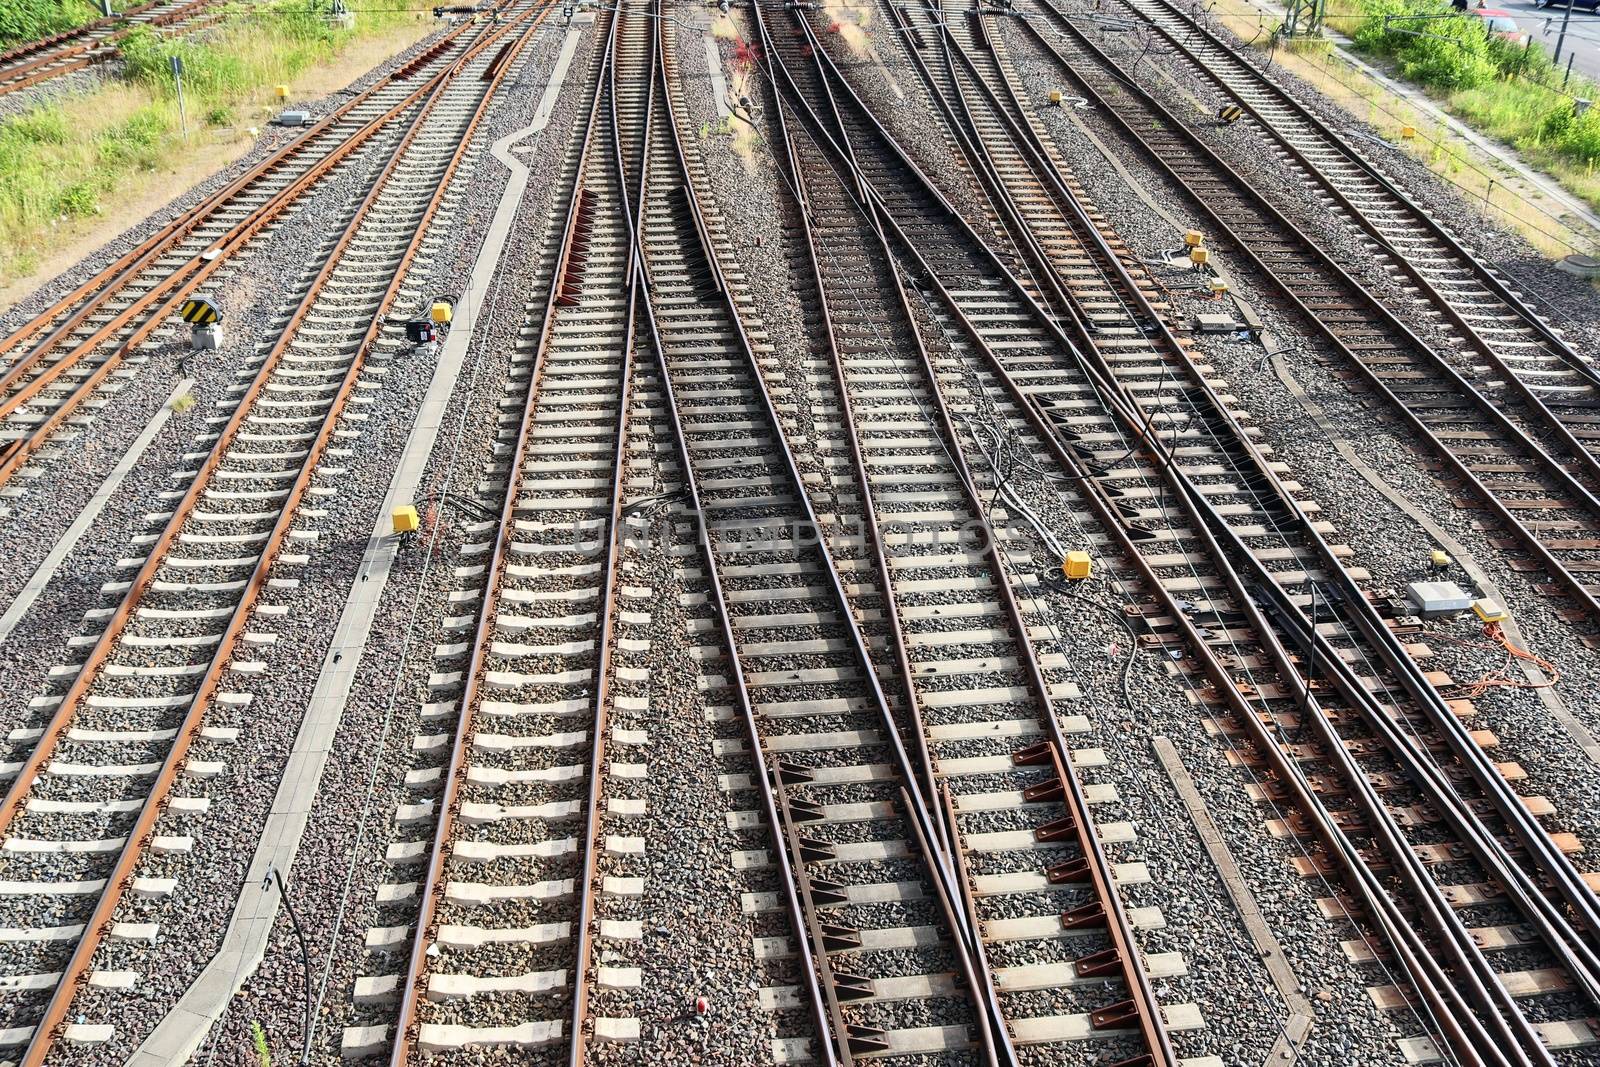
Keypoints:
pixel 407 1028
pixel 176 287
pixel 76 973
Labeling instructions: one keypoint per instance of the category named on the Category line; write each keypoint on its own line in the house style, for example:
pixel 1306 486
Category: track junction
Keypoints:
pixel 733 536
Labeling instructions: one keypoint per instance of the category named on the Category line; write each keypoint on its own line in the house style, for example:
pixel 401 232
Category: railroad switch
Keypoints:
pixel 1077 565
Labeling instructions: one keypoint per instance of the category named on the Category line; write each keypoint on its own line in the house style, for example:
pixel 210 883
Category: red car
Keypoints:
pixel 1501 24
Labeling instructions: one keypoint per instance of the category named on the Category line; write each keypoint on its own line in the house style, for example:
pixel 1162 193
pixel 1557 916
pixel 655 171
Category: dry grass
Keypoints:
pixel 75 174
pixel 1489 186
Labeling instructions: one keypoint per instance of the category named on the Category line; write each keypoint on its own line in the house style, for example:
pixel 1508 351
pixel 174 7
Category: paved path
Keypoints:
pixel 80 526
pixel 177 1036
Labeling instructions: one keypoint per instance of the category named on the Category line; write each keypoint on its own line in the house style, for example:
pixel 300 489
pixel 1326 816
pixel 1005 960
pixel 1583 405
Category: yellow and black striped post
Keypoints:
pixel 198 311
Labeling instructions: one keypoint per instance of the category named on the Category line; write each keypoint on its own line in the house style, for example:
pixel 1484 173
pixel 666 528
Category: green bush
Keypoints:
pixel 78 200
pixel 1442 53
pixel 28 20
pixel 1573 135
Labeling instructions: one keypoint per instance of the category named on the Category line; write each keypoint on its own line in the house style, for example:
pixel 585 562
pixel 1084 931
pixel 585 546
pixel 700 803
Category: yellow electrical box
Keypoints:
pixel 440 312
pixel 183 403
pixel 1439 558
pixel 1489 610
pixel 1055 97
pixel 1194 239
pixel 1198 256
pixel 405 519
pixel 1408 132
pixel 281 92
pixel 1219 287
pixel 1076 565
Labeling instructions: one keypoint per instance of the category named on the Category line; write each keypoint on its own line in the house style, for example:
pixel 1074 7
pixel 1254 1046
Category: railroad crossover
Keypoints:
pixel 824 514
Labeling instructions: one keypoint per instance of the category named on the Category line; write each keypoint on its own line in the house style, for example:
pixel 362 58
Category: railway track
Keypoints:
pixel 503 877
pixel 1233 566
pixel 131 742
pixel 860 905
pixel 89 340
pixel 634 180
pixel 988 694
pixel 39 61
pixel 1491 318
pixel 1515 461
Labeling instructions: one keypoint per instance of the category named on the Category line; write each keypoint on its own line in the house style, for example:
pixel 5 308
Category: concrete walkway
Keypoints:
pixel 102 496
pixel 183 1029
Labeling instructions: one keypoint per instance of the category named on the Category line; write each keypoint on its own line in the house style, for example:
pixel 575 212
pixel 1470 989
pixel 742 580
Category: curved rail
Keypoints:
pixel 1560 934
pixel 1534 479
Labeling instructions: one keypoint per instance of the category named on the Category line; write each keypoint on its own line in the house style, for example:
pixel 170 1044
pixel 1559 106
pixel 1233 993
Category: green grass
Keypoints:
pixel 63 162
pixel 1500 88
pixel 28 20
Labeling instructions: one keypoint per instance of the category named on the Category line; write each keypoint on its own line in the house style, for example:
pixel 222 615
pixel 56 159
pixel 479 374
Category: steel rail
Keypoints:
pixel 1415 214
pixel 105 283
pixel 1509 805
pixel 407 1028
pixel 1394 923
pixel 994 1036
pixel 77 969
pixel 1549 466
pixel 1136 424
pixel 15 455
pixel 798 890
pixel 633 210
pixel 1581 455
pixel 1097 868
pixel 869 522
pixel 1357 693
pixel 1573 890
pixel 1554 929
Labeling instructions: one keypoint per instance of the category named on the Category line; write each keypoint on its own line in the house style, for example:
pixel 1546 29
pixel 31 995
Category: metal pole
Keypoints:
pixel 1568 76
pixel 1561 39
pixel 305 959
pixel 177 77
pixel 105 6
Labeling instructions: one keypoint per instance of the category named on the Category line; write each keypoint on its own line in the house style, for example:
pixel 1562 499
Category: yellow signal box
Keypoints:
pixel 1077 565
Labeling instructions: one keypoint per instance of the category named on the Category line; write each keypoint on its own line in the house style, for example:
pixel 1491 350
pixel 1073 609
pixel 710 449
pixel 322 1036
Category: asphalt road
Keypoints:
pixel 1583 32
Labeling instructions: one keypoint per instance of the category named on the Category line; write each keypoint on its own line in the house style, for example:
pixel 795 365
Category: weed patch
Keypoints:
pixel 67 161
